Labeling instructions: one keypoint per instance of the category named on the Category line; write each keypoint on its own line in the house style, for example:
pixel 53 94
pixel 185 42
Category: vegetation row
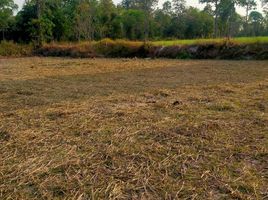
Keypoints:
pixel 218 49
pixel 42 21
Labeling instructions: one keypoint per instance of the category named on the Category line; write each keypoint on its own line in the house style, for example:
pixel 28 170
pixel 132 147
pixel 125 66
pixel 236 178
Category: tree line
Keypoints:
pixel 75 20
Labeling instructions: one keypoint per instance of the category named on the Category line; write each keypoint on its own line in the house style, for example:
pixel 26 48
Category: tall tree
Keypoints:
pixel 133 21
pixel 39 7
pixel 255 19
pixel 147 6
pixel 179 6
pixel 167 8
pixel 6 12
pixel 107 12
pixel 84 15
pixel 129 4
pixel 162 21
pixel 216 13
pixel 226 13
pixel 248 5
pixel 208 9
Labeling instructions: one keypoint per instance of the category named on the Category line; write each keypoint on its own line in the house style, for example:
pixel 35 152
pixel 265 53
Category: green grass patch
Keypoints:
pixel 239 40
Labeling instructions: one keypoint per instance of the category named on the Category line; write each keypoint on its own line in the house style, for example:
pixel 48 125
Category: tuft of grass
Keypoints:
pixel 221 107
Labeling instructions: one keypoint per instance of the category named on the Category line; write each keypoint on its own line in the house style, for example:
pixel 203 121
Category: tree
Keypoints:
pixel 249 5
pixel 256 18
pixel 6 12
pixel 226 12
pixel 133 21
pixel 129 4
pixel 147 6
pixel 162 22
pixel 38 22
pixel 198 24
pixel 216 10
pixel 208 9
pixel 179 6
pixel 84 16
pixel 265 23
pixel 49 20
pixel 167 8
pixel 107 12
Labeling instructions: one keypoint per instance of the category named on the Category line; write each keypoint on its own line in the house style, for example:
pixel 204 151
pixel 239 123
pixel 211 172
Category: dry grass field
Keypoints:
pixel 133 129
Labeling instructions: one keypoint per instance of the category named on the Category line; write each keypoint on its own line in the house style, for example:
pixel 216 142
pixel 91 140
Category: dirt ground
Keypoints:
pixel 133 129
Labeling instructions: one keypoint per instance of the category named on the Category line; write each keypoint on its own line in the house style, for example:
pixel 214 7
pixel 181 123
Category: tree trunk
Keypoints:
pixel 216 20
pixel 39 35
pixel 146 28
pixel 246 28
pixel 3 34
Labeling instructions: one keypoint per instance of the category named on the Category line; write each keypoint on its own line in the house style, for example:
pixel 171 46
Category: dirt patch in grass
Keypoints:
pixel 133 129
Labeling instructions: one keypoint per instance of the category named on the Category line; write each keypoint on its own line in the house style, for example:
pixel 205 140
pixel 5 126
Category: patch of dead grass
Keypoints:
pixel 135 129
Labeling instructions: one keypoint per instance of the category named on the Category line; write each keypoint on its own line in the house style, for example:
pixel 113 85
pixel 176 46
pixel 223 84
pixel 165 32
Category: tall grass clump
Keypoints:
pixel 82 50
pixel 102 48
pixel 119 48
pixel 10 49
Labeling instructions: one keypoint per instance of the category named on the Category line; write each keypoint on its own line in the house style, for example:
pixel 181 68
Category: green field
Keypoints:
pixel 240 40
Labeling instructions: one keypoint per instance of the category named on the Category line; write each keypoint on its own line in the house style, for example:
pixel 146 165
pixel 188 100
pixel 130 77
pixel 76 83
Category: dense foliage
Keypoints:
pixel 75 20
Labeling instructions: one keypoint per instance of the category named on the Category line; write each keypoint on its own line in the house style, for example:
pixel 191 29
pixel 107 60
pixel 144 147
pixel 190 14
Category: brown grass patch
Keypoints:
pixel 133 129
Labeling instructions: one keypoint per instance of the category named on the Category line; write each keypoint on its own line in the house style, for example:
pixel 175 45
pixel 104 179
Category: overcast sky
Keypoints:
pixel 189 2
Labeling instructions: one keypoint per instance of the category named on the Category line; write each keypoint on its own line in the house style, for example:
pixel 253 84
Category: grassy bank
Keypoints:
pixel 210 49
pixel 237 48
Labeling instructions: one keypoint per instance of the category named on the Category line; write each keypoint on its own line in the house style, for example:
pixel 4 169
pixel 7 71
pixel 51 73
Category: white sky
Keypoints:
pixel 189 3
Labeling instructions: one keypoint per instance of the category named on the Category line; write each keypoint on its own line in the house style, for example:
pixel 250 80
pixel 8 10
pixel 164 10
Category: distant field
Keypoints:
pixel 133 129
pixel 241 40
